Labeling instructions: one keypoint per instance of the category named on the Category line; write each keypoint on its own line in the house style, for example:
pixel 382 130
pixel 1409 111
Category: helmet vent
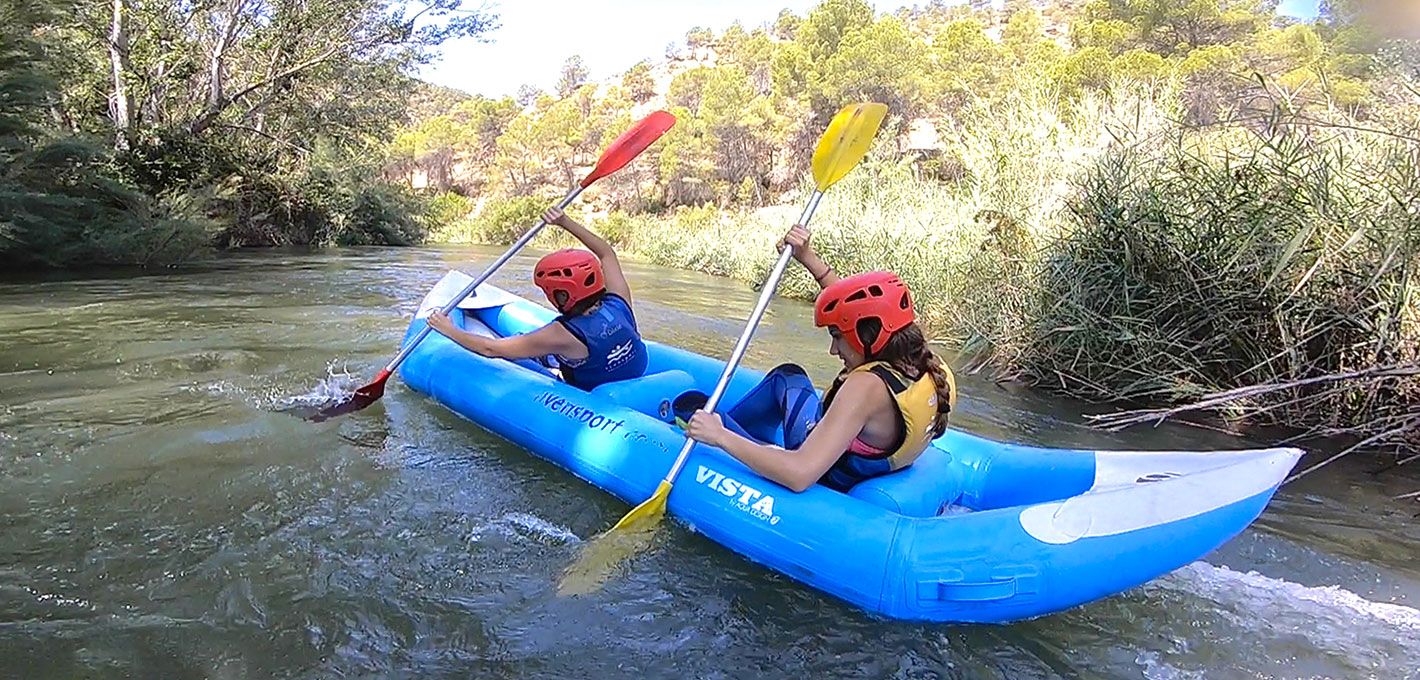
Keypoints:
pixel 591 279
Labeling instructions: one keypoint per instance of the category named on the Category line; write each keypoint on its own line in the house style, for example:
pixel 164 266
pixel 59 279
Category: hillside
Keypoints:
pixel 772 85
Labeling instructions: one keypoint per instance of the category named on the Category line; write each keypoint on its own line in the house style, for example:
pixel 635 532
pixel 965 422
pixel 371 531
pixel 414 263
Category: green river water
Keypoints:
pixel 159 518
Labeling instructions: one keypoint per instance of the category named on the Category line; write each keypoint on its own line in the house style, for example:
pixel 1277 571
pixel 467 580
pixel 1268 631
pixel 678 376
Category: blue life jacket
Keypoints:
pixel 614 347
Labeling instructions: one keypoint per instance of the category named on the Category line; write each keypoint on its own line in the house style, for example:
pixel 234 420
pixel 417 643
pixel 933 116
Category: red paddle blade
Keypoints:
pixel 630 144
pixel 363 397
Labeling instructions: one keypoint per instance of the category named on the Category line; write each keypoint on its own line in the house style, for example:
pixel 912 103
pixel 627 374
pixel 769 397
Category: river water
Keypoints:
pixel 159 518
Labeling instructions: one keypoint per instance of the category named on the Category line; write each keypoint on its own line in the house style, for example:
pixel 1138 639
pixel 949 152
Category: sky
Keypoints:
pixel 536 36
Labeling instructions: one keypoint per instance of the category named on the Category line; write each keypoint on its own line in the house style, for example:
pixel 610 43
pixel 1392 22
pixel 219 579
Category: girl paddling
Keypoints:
pixel 595 339
pixel 881 412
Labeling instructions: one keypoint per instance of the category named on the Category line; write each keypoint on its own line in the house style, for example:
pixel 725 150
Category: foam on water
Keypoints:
pixel 1255 593
pixel 1155 669
pixel 521 524
pixel 1286 629
pixel 337 385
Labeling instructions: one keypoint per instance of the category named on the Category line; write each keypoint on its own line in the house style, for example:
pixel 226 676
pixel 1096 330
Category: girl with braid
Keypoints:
pixel 882 411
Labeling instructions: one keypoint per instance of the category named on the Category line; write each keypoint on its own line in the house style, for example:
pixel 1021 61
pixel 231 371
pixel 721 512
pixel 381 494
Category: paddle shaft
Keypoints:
pixel 742 344
pixel 507 255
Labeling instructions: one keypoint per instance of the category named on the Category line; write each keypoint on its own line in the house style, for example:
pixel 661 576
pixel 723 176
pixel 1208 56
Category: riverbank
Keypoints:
pixel 130 137
pixel 1153 264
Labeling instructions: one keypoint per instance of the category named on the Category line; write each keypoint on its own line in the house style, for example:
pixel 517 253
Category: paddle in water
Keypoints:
pixel 842 145
pixel 626 147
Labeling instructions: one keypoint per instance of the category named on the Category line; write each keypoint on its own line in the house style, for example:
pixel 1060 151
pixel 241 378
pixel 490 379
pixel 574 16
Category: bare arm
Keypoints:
pixel 550 339
pixel 611 267
pixel 798 239
pixel 801 468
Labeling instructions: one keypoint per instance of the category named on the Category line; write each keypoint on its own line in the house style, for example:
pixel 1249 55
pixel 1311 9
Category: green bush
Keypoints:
pixel 504 221
pixel 334 197
pixel 618 228
pixel 385 215
pixel 1204 261
pixel 445 213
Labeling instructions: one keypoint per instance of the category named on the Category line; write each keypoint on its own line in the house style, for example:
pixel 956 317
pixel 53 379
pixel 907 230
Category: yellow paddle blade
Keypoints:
pixel 601 555
pixel 846 141
pixel 649 512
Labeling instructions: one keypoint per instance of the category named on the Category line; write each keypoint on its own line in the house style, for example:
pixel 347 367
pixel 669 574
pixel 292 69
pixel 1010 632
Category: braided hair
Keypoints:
pixel 908 353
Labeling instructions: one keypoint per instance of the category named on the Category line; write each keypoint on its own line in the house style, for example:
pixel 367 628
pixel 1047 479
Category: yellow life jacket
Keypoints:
pixel 916 402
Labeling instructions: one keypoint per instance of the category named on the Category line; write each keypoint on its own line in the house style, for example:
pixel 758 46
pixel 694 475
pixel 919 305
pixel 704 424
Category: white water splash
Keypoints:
pixel 1263 595
pixel 229 390
pixel 337 385
pixel 1155 669
pixel 1278 620
pixel 523 525
pixel 57 600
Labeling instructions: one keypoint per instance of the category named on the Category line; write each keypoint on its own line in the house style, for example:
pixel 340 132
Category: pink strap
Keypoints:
pixel 858 447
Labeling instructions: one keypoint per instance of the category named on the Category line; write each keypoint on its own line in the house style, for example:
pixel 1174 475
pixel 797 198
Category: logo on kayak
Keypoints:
pixel 581 414
pixel 743 496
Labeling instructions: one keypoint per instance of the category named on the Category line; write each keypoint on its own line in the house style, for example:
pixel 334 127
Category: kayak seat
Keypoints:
pixel 649 394
pixel 469 320
pixel 927 488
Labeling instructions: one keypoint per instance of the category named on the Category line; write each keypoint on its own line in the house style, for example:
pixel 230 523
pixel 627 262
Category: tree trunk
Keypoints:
pixel 215 91
pixel 121 103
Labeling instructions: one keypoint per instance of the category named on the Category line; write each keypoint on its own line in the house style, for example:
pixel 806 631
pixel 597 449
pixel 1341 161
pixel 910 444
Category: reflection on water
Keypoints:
pixel 160 519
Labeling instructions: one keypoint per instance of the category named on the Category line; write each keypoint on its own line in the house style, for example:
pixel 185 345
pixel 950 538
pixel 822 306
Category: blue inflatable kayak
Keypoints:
pixel 976 531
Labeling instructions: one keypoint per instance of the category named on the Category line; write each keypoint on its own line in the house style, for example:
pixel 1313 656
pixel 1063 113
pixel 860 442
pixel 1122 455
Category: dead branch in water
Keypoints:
pixel 1392 428
pixel 1123 419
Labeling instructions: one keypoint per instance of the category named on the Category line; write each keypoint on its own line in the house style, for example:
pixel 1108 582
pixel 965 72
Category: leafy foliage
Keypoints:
pixel 61 201
pixel 159 121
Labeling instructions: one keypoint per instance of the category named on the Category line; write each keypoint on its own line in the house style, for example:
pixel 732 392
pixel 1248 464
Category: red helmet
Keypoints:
pixel 575 273
pixel 873 295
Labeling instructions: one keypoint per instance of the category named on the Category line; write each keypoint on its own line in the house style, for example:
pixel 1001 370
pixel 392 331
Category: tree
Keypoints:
pixel 786 25
pixel 685 89
pixel 241 93
pixel 1023 31
pixel 519 154
pixel 754 52
pixel 732 41
pixel 828 23
pixel 639 84
pixel 698 38
pixel 965 62
pixel 121 103
pixel 527 94
pixel 742 128
pixel 881 62
pixel 792 70
pixel 1169 27
pixel 229 63
pixel 60 203
pixel 574 74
